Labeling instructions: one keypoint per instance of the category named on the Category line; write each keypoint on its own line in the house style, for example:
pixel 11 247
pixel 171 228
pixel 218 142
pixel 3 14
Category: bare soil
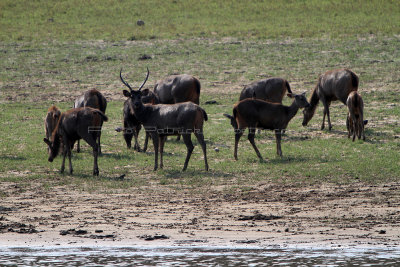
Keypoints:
pixel 272 215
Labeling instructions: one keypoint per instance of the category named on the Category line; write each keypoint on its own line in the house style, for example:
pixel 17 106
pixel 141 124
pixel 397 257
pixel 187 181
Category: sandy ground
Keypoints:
pixel 273 215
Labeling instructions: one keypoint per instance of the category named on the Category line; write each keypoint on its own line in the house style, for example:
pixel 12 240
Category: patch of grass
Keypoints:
pixel 115 20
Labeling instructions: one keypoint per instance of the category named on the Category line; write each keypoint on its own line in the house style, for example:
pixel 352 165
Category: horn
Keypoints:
pixel 122 80
pixel 145 80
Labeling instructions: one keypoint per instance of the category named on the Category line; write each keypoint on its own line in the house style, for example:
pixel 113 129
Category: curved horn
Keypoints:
pixel 122 80
pixel 148 73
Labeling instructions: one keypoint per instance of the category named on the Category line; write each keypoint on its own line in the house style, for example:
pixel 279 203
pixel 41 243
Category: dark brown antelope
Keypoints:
pixel 94 99
pixel 177 89
pixel 131 124
pixel 171 90
pixel 271 90
pixel 332 85
pixel 355 117
pixel 75 124
pixel 168 119
pixel 259 114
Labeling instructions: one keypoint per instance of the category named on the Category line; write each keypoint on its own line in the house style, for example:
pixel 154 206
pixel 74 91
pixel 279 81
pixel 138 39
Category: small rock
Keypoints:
pixel 144 57
pixel 140 22
pixel 216 149
pixel 382 232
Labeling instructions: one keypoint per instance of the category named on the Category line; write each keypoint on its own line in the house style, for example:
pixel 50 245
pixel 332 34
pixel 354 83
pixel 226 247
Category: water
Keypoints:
pixel 196 256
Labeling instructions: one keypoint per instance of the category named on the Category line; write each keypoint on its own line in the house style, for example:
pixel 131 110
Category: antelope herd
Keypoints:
pixel 172 108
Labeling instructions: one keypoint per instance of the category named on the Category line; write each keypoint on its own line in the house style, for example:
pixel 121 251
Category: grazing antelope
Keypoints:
pixel 332 85
pixel 75 124
pixel 94 99
pixel 131 124
pixel 50 122
pixel 168 119
pixel 271 90
pixel 259 114
pixel 355 118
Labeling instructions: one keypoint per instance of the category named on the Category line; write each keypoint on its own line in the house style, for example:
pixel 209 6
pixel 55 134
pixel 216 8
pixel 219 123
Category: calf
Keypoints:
pixel 355 122
pixel 73 125
pixel 163 120
pixel 255 113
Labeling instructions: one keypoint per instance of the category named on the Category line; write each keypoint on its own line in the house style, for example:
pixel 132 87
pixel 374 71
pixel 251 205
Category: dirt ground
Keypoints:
pixel 273 215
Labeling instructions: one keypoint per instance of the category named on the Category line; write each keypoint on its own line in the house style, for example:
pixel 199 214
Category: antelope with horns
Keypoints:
pixel 168 119
pixel 131 124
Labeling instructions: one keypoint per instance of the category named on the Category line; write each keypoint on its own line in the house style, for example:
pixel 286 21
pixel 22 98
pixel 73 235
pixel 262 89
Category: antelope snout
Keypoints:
pixel 50 159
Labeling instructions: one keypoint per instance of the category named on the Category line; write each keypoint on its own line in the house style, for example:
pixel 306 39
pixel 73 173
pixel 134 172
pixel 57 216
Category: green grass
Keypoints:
pixel 115 20
pixel 51 52
pixel 62 71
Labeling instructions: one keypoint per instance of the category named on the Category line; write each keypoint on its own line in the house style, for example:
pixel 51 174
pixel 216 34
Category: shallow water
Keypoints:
pixel 195 256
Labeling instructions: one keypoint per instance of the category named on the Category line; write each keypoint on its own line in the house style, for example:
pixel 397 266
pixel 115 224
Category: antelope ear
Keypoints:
pixel 145 92
pixel 290 95
pixel 47 141
pixel 126 93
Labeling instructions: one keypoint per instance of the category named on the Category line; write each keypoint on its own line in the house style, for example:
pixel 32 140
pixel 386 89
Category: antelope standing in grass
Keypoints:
pixel 355 118
pixel 50 122
pixel 73 125
pixel 132 125
pixel 332 85
pixel 171 90
pixel 271 90
pixel 168 119
pixel 259 114
pixel 177 89
pixel 94 99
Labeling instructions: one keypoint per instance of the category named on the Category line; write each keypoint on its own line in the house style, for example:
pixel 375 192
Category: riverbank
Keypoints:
pixel 354 215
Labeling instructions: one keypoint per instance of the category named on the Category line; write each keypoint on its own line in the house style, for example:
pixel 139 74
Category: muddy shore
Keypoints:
pixel 273 215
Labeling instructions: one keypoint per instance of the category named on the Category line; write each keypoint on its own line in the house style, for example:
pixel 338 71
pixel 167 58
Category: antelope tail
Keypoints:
pixel 233 121
pixel 204 114
pixel 288 88
pixel 103 116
